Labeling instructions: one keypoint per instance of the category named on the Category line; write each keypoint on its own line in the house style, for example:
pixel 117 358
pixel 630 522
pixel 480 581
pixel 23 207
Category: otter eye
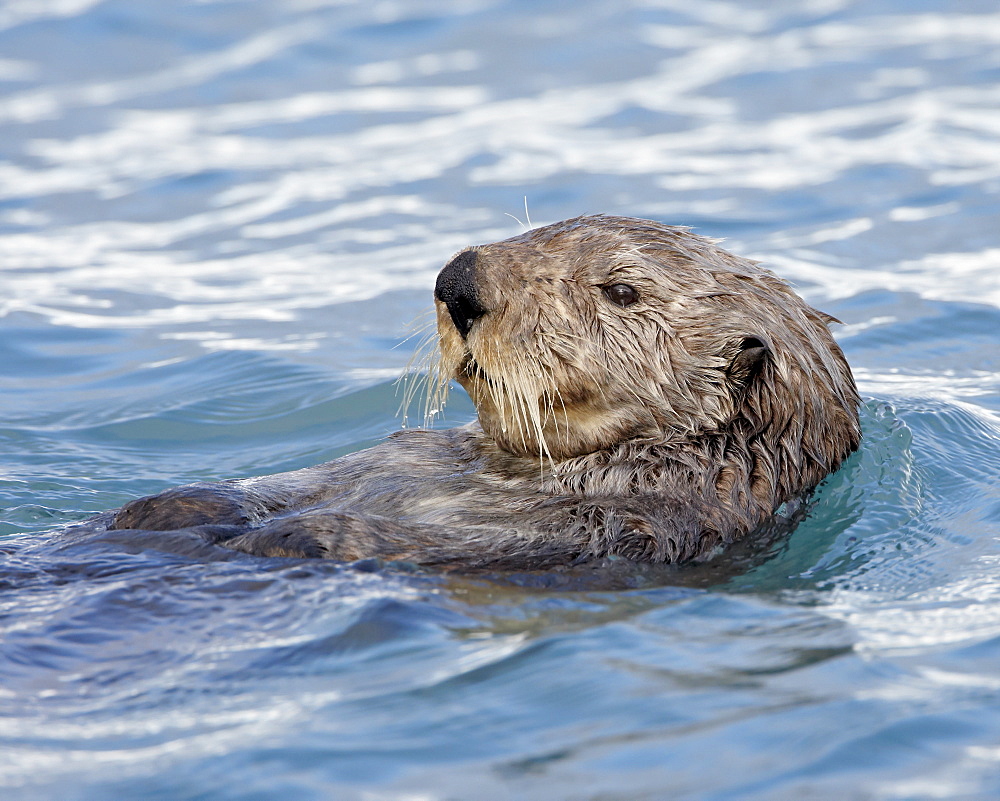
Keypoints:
pixel 622 294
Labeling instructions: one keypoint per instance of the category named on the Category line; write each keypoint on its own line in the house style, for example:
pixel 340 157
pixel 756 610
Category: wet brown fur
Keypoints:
pixel 658 431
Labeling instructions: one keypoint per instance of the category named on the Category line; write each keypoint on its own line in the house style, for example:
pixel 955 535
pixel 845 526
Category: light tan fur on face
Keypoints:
pixel 563 371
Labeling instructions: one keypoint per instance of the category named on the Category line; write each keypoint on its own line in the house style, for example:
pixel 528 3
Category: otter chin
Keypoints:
pixel 640 393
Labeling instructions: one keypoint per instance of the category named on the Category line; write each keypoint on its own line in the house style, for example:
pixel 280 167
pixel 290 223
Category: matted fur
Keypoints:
pixel 656 431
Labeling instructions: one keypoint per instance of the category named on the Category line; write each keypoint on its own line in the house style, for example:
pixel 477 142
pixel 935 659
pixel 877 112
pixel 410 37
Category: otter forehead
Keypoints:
pixel 597 248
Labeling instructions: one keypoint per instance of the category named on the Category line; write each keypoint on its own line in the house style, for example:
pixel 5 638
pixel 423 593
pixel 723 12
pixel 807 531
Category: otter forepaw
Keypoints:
pixel 284 538
pixel 184 507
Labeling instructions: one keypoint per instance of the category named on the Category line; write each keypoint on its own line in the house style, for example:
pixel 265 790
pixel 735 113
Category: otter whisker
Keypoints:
pixel 419 369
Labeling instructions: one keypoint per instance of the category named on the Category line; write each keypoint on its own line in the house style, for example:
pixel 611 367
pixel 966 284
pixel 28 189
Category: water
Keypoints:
pixel 217 223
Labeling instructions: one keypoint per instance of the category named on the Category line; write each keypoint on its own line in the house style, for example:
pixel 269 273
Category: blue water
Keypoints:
pixel 219 227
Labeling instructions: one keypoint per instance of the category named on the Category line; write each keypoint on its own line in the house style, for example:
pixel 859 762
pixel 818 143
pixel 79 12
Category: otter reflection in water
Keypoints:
pixel 640 392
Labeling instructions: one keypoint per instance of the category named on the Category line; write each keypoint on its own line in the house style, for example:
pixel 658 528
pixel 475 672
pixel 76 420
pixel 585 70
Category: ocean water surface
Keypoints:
pixel 220 222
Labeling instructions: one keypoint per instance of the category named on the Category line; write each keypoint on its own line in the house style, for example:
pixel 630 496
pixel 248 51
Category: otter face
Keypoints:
pixel 578 336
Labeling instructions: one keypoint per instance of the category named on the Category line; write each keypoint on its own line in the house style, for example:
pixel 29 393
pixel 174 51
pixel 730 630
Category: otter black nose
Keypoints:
pixel 456 289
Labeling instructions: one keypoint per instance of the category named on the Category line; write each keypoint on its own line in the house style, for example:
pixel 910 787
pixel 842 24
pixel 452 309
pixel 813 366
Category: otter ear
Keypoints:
pixel 750 356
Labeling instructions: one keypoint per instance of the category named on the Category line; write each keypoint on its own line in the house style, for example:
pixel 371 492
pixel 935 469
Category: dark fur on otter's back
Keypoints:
pixel 640 391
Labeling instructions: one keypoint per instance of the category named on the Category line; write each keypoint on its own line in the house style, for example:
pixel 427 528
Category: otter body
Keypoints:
pixel 640 393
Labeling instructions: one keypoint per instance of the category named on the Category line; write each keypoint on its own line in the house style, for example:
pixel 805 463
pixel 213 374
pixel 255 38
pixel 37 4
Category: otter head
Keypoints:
pixel 578 336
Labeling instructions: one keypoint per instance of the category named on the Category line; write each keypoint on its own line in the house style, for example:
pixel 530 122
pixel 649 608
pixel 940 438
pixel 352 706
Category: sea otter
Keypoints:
pixel 640 392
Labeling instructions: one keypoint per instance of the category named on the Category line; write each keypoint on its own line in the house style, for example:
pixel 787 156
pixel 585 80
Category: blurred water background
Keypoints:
pixel 219 221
